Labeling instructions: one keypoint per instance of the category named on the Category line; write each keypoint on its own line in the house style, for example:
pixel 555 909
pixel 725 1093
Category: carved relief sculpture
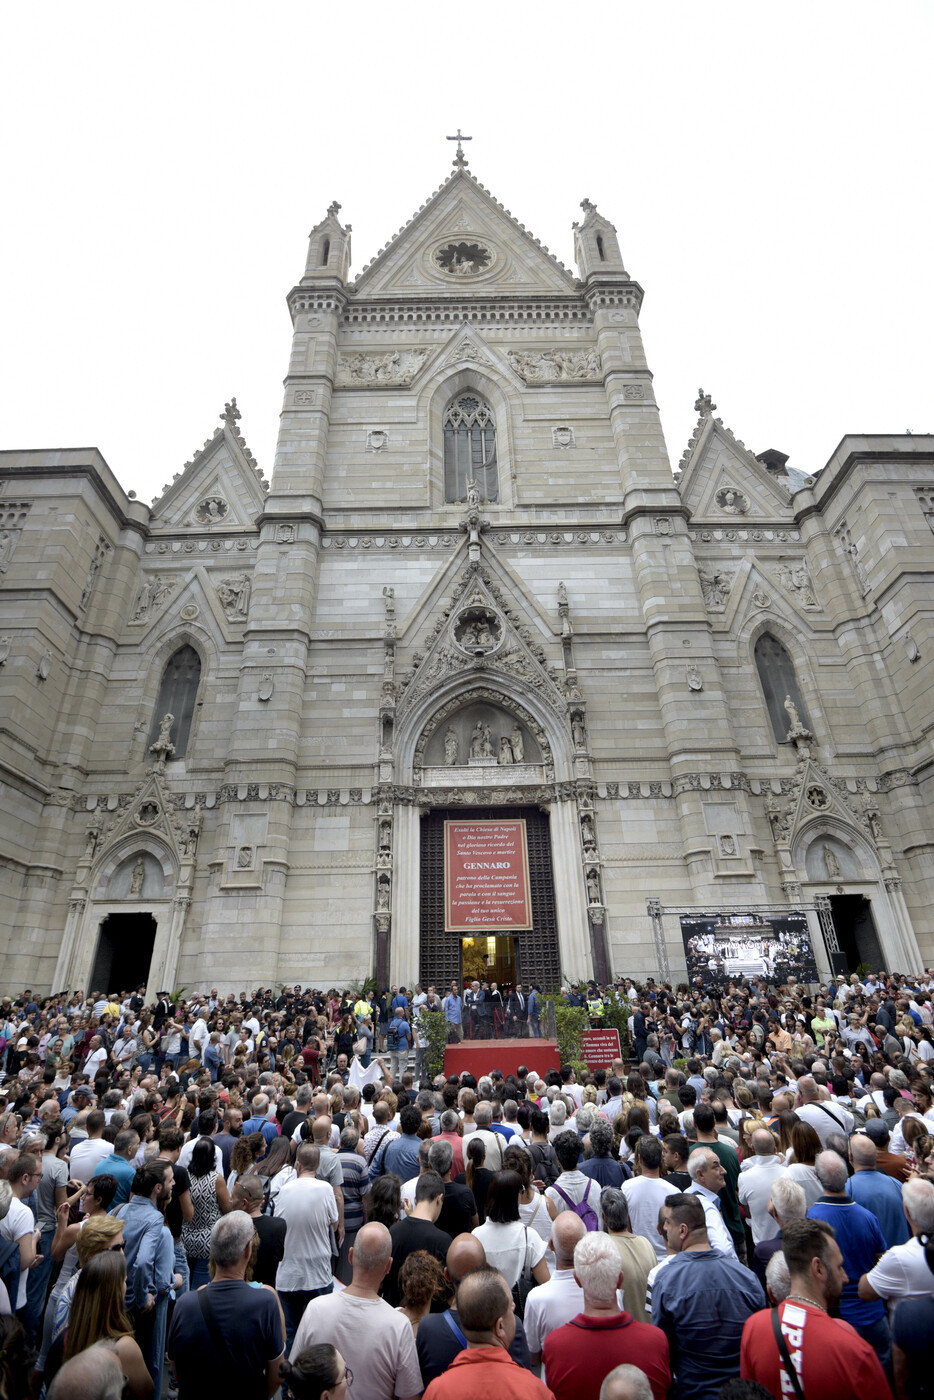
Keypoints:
pixel 731 501
pixel 517 744
pixel 593 886
pixel 245 858
pixel 796 579
pixel 101 550
pixel 831 864
pixel 211 511
pixel 505 751
pixel 154 591
pixel 234 594
pixel 716 587
pixel 391 367
pixel 476 740
pixel 549 366
pixel 450 746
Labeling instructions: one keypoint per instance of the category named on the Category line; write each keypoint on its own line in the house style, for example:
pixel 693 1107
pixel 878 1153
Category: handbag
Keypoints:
pixel 525 1282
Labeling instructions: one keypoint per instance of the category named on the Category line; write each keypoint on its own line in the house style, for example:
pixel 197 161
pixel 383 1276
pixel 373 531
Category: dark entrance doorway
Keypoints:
pixel 124 952
pixel 528 957
pixel 856 931
pixel 489 956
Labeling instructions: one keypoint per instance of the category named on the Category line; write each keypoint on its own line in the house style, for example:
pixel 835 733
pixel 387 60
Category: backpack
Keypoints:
pixel 585 1211
pixel 9 1267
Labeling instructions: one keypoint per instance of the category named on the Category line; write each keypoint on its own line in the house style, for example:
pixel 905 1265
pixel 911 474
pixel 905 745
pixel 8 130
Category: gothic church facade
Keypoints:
pixel 234 723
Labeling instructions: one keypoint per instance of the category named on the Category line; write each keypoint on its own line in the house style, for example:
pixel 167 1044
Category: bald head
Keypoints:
pixel 371 1251
pixel 807 1088
pixel 95 1374
pixel 566 1229
pixel 763 1142
pixel 465 1254
pixel 321 1130
pixel 863 1153
pixel 626 1383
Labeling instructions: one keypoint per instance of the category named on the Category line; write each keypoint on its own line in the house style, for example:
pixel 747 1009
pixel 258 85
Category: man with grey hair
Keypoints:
pixel 626 1383
pixel 459 1211
pixel 363 1326
pixel 493 1142
pixel 861 1243
pixel 777 1279
pixel 754 1188
pixel 227 1337
pixel 636 1255
pixel 95 1374
pixel 579 1355
pixel 552 1304
pixel 787 1201
pixel 902 1271
pixel 873 1189
pixel 708 1175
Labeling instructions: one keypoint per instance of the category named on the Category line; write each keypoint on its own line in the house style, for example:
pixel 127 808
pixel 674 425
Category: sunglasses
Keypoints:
pixel 112 1247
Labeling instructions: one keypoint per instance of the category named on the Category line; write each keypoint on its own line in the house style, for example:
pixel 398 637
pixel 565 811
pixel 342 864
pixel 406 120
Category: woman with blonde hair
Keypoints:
pixel 98 1314
pixel 805 1147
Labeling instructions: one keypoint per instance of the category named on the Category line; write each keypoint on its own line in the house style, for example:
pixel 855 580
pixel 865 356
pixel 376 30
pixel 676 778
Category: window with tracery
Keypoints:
pixel 177 695
pixel 779 683
pixel 470 449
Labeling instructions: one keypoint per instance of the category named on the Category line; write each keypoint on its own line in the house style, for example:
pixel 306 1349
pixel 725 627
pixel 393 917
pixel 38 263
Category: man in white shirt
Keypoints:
pixel 902 1272
pixel 372 1334
pixel 754 1188
pixel 198 1036
pixel 708 1177
pixel 551 1305
pixel 97 1056
pixel 493 1142
pixel 646 1194
pixel 824 1118
pixel 18 1224
pixel 207 1127
pixel 86 1156
pixel 309 1209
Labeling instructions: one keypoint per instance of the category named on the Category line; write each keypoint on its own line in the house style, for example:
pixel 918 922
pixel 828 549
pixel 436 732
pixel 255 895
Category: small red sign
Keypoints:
pixel 486 876
pixel 599 1048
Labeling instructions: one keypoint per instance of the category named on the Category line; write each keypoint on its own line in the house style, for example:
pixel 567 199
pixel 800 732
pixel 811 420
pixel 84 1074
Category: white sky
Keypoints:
pixel 768 168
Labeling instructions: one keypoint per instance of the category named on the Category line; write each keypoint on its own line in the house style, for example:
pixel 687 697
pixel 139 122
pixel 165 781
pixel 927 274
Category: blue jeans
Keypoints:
pixel 198 1273
pixel 37 1286
pixel 293 1306
pixel 181 1267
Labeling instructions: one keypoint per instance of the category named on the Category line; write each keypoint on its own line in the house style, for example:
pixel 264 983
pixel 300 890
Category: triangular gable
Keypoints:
pixel 753 587
pixel 480 632
pixel 220 487
pixel 219 595
pixel 467 347
pixel 722 481
pixel 458 216
pixel 150 812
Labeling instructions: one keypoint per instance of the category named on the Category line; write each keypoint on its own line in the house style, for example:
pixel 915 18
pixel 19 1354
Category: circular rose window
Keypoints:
pixel 464 259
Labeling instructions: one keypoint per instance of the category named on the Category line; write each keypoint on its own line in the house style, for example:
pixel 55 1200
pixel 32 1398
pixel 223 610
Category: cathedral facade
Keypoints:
pixel 238 726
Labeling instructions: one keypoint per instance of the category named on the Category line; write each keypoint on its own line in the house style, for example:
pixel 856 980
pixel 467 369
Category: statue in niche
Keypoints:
pixel 476 740
pixel 593 886
pixel 382 897
pixel 485 637
pixel 234 594
pixel 505 751
pixel 791 709
pixel 577 728
pixel 473 495
pixel 93 835
pixel 715 586
pixel 450 746
pixel 486 745
pixel 517 744
pixel 385 834
pixel 138 876
pixel 831 864
pixel 587 831
pixel 562 596
pixel 875 825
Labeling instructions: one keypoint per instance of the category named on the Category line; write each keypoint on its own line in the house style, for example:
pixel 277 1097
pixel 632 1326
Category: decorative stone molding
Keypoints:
pixel 12 519
pixel 849 548
pixel 240 543
pixel 303 398
pixel 469 696
pixel 757 536
pixel 437 311
pixel 562 538
pixel 101 551
pixel 556 366
pixel 377 439
pixel 563 436
pixel 391 367
pixel 154 592
pixel 213 510
pixel 634 391
pixel 234 596
pixel 732 501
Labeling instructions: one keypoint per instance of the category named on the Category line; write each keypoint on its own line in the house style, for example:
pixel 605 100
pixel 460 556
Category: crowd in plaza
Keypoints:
pixel 215 1194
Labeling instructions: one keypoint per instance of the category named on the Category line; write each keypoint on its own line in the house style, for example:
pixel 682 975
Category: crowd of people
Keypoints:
pixel 272 1191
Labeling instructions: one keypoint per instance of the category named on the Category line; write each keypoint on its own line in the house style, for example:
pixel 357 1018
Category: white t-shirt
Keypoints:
pixel 188 1151
pixel 901 1273
pixel 509 1247
pixel 551 1305
pixel 827 1118
pixel 309 1209
pixel 374 1336
pixel 86 1156
pixel 94 1061
pixel 645 1195
pixel 755 1191
pixel 16 1223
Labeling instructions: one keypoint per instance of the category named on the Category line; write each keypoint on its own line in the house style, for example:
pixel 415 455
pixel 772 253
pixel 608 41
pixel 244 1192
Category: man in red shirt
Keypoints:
pixel 578 1356
pixel 829 1356
pixel 486 1315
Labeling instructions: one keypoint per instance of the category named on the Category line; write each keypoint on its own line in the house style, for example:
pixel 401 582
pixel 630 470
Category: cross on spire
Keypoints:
pixel 460 160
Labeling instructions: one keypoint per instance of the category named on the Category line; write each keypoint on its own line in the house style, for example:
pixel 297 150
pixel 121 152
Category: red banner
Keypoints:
pixel 486 876
pixel 599 1048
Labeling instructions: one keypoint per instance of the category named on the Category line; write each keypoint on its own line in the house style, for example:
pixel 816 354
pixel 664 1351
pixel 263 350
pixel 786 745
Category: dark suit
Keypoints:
pixel 517 1011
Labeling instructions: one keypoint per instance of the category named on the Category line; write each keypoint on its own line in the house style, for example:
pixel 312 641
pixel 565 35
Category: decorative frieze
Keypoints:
pixel 556 366
pixel 239 543
pixel 742 534
pixel 389 368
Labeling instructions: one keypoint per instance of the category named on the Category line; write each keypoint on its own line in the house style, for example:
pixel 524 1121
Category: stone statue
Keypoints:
pixel 587 831
pixel 138 876
pixel 93 834
pixel 577 728
pixel 505 751
pixel 562 596
pixel 450 746
pixel 473 495
pixel 385 835
pixel 486 745
pixel 593 886
pixel 234 594
pixel 476 740
pixel 382 897
pixel 485 637
pixel 143 601
pixel 794 719
pixel 831 863
pixel 517 744
pixel 716 587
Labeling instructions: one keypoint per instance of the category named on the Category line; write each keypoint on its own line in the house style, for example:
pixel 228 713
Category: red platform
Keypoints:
pixel 478 1057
